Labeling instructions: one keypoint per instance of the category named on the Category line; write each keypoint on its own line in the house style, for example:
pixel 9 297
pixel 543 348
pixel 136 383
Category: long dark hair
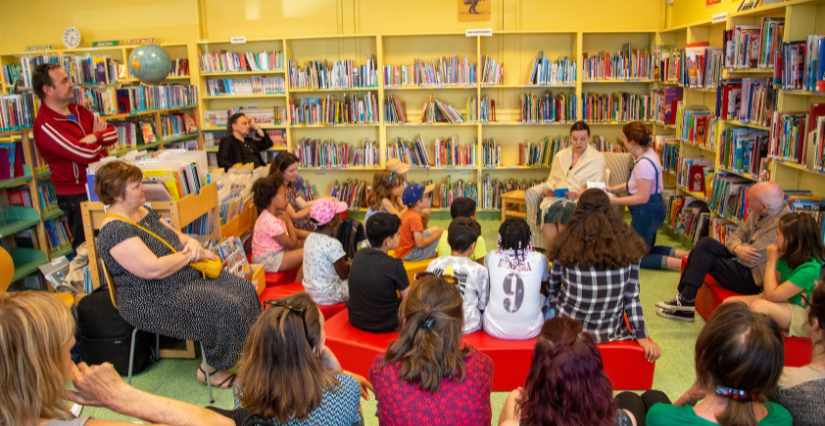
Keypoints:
pixel 281 376
pixel 741 350
pixel 803 239
pixel 818 309
pixel 566 384
pixel 429 342
pixel 282 161
pixel 596 236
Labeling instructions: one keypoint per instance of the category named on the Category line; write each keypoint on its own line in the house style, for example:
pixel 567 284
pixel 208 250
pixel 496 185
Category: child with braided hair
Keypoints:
pixel 517 275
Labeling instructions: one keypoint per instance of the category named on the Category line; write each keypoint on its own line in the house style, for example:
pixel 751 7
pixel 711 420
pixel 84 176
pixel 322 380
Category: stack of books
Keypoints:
pixel 223 61
pixel 331 111
pixel 341 74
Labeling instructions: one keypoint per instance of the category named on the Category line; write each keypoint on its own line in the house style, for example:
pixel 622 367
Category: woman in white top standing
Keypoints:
pixel 517 274
pixel 572 168
pixel 644 200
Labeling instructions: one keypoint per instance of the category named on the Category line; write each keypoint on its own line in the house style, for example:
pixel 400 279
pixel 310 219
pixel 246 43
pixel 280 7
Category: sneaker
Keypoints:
pixel 683 316
pixel 677 304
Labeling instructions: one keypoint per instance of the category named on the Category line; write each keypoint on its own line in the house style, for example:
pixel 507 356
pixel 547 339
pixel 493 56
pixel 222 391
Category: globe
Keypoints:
pixel 149 63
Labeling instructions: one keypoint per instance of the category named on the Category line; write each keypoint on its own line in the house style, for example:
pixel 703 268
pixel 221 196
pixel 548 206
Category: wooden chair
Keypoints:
pixel 113 294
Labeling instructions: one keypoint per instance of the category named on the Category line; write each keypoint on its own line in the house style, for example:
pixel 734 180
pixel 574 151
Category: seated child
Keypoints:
pixel 376 280
pixel 791 273
pixel 325 266
pixel 595 274
pixel 275 240
pixel 473 280
pixel 463 207
pixel 416 242
pixel 395 165
pixel 385 195
pixel 517 275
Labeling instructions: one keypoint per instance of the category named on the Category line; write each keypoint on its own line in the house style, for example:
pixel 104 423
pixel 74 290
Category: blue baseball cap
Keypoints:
pixel 414 191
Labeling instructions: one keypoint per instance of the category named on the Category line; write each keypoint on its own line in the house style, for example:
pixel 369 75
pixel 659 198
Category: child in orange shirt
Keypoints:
pixel 416 242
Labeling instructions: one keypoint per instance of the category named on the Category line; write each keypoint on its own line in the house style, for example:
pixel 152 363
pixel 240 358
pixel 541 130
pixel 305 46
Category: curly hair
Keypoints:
pixel 265 188
pixel 383 183
pixel 429 342
pixel 596 236
pixel 566 384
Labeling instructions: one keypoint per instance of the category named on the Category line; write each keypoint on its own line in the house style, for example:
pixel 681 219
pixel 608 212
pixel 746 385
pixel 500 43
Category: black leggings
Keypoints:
pixel 639 405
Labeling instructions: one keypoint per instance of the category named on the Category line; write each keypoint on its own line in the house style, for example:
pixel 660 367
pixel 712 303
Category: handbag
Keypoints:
pixel 209 268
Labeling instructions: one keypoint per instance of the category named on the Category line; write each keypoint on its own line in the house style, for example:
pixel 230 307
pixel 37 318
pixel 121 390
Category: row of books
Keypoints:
pixel 746 151
pixel 617 107
pixel 448 153
pixel 487 110
pixel 687 216
pixel 90 70
pixel 58 236
pixel 18 111
pixel 603 145
pixel 664 104
pixel 174 125
pixel 10 73
pixel 813 207
pixel 545 72
pixel 729 197
pixel 493 72
pixel 45 192
pixel 413 153
pixel 11 160
pixel 694 173
pixel 668 149
pixel 788 136
pixel 109 100
pixel 262 116
pixel 351 109
pixel 493 188
pixel 548 108
pixel 223 61
pixel 255 85
pixel 331 154
pixel 541 153
pixel 692 124
pixel 704 65
pixel 721 228
pixel 352 191
pixel 395 110
pixel 444 71
pixel 668 64
pixel 435 111
pixel 629 64
pixel 341 74
pixel 29 63
pixel 449 191
pixel 753 46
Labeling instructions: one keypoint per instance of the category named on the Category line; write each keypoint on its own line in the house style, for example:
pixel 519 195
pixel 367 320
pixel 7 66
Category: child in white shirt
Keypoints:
pixel 325 266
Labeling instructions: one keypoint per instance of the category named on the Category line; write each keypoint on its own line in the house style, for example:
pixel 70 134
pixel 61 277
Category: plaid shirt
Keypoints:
pixel 598 300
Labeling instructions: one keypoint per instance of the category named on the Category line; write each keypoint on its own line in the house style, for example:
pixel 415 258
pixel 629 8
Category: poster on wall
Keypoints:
pixel 709 3
pixel 473 10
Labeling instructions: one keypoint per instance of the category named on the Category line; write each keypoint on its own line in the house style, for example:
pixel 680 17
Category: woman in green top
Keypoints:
pixel 792 269
pixel 738 358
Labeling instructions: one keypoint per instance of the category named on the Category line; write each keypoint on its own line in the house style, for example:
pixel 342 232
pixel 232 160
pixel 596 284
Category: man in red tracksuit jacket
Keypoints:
pixel 68 137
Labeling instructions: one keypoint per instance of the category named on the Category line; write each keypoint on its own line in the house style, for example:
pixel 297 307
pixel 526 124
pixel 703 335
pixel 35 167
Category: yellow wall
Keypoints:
pixel 43 21
pixel 683 12
pixel 25 23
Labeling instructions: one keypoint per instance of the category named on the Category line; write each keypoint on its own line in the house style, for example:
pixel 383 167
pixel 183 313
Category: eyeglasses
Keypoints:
pixel 298 309
pixel 424 274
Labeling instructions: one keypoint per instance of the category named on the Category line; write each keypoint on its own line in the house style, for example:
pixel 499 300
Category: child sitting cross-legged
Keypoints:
pixel 416 242
pixel 275 240
pixel 325 267
pixel 473 280
pixel 385 195
pixel 377 282
pixel 462 207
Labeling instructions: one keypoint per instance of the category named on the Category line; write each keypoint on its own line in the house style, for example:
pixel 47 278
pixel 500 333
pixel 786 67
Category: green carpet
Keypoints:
pixel 674 370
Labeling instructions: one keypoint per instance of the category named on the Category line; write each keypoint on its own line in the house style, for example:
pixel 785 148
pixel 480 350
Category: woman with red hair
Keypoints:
pixel 566 384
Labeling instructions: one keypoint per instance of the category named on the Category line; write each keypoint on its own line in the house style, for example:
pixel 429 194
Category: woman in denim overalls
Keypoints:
pixel 645 202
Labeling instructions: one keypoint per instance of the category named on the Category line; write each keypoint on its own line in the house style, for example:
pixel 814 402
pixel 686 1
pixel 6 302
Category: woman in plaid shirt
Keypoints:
pixel 595 274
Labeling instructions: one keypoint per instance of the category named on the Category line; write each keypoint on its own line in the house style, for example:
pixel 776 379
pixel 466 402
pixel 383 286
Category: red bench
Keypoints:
pixel 624 362
pixel 280 278
pixel 281 291
pixel 798 350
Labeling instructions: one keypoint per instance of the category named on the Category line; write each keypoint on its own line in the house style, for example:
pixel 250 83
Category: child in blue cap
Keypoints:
pixel 416 242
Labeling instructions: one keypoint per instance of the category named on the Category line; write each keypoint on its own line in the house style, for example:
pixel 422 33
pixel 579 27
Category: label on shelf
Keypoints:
pixel 40 47
pixel 719 17
pixel 252 106
pixel 141 40
pixel 238 40
pixel 106 43
pixel 483 32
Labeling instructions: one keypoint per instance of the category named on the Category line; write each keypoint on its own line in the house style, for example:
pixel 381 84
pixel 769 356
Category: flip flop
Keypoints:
pixel 222 385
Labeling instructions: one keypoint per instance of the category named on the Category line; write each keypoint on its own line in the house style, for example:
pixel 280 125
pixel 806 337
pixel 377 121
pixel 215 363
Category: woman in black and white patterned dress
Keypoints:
pixel 157 290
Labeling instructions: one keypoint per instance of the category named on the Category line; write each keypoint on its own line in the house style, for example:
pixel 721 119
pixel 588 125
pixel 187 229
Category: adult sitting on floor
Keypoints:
pixel 157 290
pixel 36 337
pixel 572 168
pixel 740 264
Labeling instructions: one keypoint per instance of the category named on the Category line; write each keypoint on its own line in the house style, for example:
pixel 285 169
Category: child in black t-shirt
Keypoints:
pixel 377 282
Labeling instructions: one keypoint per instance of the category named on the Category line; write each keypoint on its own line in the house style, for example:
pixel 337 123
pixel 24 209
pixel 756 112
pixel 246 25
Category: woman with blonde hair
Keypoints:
pixel 36 337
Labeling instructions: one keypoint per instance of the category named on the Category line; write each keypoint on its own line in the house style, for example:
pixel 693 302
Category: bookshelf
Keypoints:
pixel 801 20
